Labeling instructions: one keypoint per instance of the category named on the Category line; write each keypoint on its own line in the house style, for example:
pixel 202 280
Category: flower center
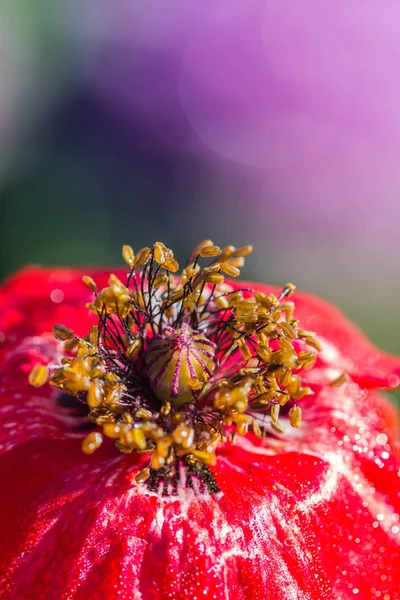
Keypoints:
pixel 178 362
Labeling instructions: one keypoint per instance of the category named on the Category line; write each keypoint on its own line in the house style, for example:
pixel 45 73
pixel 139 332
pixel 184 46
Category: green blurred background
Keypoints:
pixel 135 124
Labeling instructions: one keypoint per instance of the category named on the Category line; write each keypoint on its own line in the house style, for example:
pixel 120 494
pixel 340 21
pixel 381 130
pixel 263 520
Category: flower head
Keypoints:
pixel 198 382
pixel 177 362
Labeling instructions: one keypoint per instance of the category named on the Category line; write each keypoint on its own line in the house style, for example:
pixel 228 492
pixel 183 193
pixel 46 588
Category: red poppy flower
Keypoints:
pixel 309 512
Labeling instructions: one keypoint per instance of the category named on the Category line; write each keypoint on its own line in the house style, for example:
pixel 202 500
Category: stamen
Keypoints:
pixel 178 363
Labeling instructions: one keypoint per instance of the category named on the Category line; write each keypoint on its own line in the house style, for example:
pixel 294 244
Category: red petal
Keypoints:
pixel 35 299
pixel 94 534
pixel 313 514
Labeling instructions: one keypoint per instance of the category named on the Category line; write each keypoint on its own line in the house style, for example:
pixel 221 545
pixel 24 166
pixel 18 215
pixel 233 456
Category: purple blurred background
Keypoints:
pixel 270 122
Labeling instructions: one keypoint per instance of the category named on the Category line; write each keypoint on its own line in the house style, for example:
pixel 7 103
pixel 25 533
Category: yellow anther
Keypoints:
pixel 142 476
pixel 138 438
pixel 288 290
pixel 112 430
pixel 275 412
pixel 339 380
pixel 91 442
pixel 210 251
pixel 94 335
pixel 95 394
pixel 166 409
pixel 143 413
pixel 195 384
pixel 213 278
pixel 277 426
pixel 142 257
pixel 62 333
pixel 243 251
pixel 202 245
pixel 229 269
pixel 171 265
pixel 90 283
pixel 264 353
pixel 295 416
pixel 134 348
pixel 38 376
pixel 128 255
pixel 244 349
pixel 160 252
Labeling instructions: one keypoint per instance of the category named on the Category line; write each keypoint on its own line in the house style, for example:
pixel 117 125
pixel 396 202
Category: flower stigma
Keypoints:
pixel 178 364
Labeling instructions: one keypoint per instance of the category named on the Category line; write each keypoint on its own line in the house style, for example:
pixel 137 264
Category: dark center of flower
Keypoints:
pixel 176 363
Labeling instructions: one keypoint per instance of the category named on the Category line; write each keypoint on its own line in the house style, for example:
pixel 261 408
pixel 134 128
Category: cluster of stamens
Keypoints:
pixel 177 363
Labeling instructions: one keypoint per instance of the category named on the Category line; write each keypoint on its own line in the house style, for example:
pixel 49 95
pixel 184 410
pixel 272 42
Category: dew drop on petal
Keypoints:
pixel 381 439
pixel 393 381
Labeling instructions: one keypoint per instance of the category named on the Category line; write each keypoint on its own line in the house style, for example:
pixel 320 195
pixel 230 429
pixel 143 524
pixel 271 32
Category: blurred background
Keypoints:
pixel 246 121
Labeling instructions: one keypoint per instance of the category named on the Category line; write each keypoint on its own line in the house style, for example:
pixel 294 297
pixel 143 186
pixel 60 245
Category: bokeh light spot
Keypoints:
pixel 57 296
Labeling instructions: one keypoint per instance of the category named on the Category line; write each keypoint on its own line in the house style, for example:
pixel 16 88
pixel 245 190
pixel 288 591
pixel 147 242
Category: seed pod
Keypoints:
pixel 174 358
